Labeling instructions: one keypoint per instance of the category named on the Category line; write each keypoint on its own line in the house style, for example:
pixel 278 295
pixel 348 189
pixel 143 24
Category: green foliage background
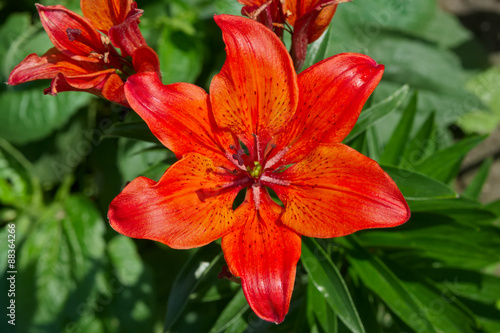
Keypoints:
pixel 63 159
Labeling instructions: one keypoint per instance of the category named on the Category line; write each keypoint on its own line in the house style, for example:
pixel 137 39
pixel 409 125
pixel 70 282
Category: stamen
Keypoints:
pixel 73 33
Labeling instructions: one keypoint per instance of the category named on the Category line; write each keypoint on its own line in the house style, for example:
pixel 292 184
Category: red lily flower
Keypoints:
pixel 257 99
pixel 85 59
pixel 309 18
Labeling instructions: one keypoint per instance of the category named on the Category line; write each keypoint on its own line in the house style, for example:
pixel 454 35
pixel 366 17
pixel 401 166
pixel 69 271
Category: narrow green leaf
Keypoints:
pixel 418 187
pixel 231 313
pixel 374 113
pixel 445 314
pixel 398 140
pixel 445 164
pixel 193 272
pixel 373 143
pixel 327 279
pixel 474 189
pixel 383 282
pixel 421 146
pixel 441 238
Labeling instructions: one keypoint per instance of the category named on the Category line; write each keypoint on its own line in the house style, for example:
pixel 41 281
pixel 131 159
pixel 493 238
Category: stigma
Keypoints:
pixel 256 171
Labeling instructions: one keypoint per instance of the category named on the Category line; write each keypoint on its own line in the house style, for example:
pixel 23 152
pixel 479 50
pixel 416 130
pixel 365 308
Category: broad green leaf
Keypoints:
pixel 228 7
pixel 374 113
pixel 129 288
pixel 445 164
pixel 451 32
pixel 418 187
pixel 193 272
pixel 383 282
pixel 423 144
pixel 17 186
pixel 124 257
pixel 398 140
pixel 180 55
pixel 137 157
pixel 18 38
pixel 327 279
pixel 474 189
pixel 137 130
pixel 61 257
pixel 371 18
pixel 483 120
pixel 231 313
pixel 442 204
pixel 30 115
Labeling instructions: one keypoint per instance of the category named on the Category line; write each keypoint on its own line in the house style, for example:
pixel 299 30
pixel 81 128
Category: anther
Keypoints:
pixel 73 33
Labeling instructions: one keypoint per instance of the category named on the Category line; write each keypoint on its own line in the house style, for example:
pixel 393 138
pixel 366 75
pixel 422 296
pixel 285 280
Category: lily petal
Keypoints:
pixel 332 94
pixel 335 191
pixel 264 254
pixel 72 34
pixel 127 36
pixel 256 91
pixel 178 115
pixel 105 13
pixel 189 207
pixel 48 66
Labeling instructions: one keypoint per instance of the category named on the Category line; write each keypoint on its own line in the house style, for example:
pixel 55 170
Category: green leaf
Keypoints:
pixel 30 115
pixel 441 238
pixel 129 289
pixel 397 142
pixel 60 259
pixel 17 186
pixel 474 189
pixel 374 113
pixel 193 272
pixel 383 282
pixel 327 279
pixel 444 314
pixel 445 164
pixel 228 7
pixel 418 187
pixel 231 313
pixel 423 144
pixel 137 130
pixel 180 55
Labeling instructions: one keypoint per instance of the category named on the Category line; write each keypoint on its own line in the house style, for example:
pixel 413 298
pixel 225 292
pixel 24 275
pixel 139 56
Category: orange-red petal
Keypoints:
pixel 256 90
pixel 189 207
pixel 335 191
pixel 178 115
pixel 264 254
pixel 105 13
pixel 48 66
pixel 127 36
pixel 72 34
pixel 332 94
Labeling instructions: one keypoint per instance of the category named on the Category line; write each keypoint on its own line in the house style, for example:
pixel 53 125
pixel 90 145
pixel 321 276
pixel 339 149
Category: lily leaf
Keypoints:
pixel 474 189
pixel 231 313
pixel 445 164
pixel 137 130
pixel 327 279
pixel 418 187
pixel 398 140
pixel 193 272
pixel 374 113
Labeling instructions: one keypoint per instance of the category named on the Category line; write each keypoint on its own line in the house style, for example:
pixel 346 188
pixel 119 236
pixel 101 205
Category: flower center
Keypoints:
pixel 256 171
